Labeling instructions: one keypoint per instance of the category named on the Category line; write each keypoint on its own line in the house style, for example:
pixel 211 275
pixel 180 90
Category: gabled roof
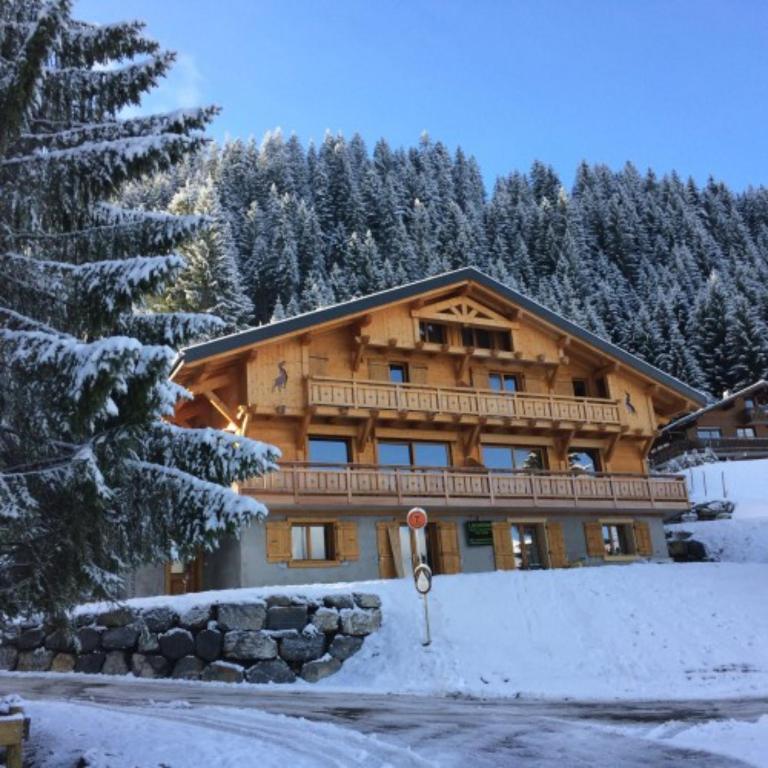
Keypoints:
pixel 303 322
pixel 683 420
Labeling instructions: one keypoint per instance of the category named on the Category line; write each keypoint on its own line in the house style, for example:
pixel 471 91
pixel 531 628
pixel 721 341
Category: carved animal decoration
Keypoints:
pixel 628 402
pixel 281 379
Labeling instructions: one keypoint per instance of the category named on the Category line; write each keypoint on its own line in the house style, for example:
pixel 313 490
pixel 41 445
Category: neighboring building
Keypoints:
pixel 524 436
pixel 735 427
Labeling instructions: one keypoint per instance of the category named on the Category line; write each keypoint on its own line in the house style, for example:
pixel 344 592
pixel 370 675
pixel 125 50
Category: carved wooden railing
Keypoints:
pixel 299 481
pixel 725 446
pixel 382 395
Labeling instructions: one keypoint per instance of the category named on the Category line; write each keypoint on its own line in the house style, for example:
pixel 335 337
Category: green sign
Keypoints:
pixel 479 533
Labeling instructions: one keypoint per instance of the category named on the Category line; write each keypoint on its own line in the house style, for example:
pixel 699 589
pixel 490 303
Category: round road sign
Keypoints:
pixel 422 577
pixel 416 519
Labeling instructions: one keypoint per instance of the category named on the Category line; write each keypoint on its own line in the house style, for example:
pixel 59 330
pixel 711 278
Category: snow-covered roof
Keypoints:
pixel 683 420
pixel 298 323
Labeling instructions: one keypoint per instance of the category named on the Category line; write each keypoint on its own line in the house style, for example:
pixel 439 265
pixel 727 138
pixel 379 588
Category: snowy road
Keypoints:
pixel 405 730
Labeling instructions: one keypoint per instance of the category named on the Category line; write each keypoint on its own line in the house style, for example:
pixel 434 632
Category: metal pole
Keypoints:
pixel 428 640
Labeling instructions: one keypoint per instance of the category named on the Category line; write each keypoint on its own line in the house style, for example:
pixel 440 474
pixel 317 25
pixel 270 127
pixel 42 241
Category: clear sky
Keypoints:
pixel 670 84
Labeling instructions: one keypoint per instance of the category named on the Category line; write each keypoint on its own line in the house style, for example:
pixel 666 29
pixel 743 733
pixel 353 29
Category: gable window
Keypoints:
pixel 398 373
pixel 504 382
pixel 601 388
pixel 312 542
pixel 584 460
pixel 329 450
pixel 708 433
pixel 748 432
pixel 513 457
pixel 414 454
pixel 434 333
pixel 580 388
pixel 618 540
pixel 481 338
pixel 749 404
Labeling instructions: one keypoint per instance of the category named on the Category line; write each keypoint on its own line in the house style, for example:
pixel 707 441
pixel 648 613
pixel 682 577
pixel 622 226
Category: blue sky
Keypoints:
pixel 678 84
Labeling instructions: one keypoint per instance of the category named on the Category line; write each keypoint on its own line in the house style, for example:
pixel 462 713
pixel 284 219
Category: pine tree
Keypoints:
pixel 93 481
pixel 745 343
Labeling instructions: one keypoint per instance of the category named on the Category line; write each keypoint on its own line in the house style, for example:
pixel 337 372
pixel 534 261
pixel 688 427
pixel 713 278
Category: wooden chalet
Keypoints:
pixel 524 436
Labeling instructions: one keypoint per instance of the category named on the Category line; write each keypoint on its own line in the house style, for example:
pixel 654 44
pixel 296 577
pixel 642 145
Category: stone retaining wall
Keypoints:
pixel 274 640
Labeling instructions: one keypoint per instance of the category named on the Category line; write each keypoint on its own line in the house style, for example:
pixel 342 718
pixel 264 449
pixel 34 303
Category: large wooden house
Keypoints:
pixel 524 437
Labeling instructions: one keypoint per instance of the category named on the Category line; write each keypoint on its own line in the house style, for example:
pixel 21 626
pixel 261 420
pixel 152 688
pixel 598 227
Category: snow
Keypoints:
pixel 743 482
pixel 635 631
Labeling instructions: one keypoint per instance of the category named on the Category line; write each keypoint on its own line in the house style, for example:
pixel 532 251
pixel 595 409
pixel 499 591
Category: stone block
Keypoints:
pixel 149 665
pixel 366 600
pixel 339 601
pixel 63 662
pixel 274 671
pixel 89 638
pixel 90 663
pixel 241 616
pixel 62 639
pixel 30 638
pixel 158 619
pixel 196 617
pixel 118 616
pixel 38 660
pixel 326 619
pixel 115 664
pixel 302 648
pixel 176 643
pixel 287 617
pixel 344 646
pixel 356 621
pixel 316 670
pixel 120 638
pixel 224 672
pixel 248 644
pixel 208 644
pixel 188 668
pixel 275 600
pixel 8 657
pixel 148 642
pixel 84 619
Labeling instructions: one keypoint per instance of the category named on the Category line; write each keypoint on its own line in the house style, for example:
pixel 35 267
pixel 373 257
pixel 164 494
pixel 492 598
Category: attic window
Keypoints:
pixel 433 333
pixel 482 338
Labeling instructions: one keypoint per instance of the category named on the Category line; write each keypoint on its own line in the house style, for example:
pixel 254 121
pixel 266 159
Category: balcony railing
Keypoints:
pixel 300 483
pixel 417 398
pixel 725 447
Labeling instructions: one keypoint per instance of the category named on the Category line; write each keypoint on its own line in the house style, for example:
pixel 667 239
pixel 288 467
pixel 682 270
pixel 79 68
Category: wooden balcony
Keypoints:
pixel 723 448
pixel 332 485
pixel 416 401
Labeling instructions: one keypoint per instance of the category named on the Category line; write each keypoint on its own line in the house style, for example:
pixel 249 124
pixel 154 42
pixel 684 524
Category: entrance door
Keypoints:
pixel 527 546
pixel 184 576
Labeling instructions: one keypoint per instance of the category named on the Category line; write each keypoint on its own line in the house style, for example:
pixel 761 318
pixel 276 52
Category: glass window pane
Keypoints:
pixel 482 338
pixel 503 340
pixel 317 542
pixel 528 458
pixel 531 541
pixel 298 542
pixel 331 451
pixel 394 453
pixel 583 460
pixel 494 381
pixel 497 457
pixel 510 383
pixel 430 455
pixel 517 545
pixel 467 337
pixel 397 374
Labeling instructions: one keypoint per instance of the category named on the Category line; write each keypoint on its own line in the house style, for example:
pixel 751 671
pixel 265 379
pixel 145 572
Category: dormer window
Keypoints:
pixel 482 338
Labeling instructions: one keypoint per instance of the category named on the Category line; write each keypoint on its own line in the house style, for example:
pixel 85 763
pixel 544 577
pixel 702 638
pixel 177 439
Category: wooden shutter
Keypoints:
pixel 318 366
pixel 480 378
pixel 557 555
pixel 386 557
pixel 643 540
pixel 417 373
pixel 593 533
pixel 448 547
pixel 278 541
pixel 378 370
pixel 347 547
pixel 503 553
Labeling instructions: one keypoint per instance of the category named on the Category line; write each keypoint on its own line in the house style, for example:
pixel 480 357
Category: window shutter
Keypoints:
pixel 386 558
pixel 278 541
pixel 557 555
pixel 502 546
pixel 448 547
pixel 480 378
pixel 417 373
pixel 318 366
pixel 347 547
pixel 593 533
pixel 378 370
pixel 643 540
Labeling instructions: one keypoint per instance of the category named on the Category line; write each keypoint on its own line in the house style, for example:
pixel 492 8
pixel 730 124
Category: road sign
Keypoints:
pixel 416 519
pixel 422 577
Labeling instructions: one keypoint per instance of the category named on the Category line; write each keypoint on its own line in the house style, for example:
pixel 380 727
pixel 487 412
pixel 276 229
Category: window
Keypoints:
pixel 434 333
pixel 749 404
pixel 584 460
pixel 504 382
pixel 513 457
pixel 708 433
pixel 617 540
pixel 480 338
pixel 398 373
pixel 526 546
pixel 747 432
pixel 414 454
pixel 601 388
pixel 329 450
pixel 580 388
pixel 312 542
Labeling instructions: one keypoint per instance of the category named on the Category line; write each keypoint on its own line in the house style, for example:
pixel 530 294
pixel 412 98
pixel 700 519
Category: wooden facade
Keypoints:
pixel 736 427
pixel 460 366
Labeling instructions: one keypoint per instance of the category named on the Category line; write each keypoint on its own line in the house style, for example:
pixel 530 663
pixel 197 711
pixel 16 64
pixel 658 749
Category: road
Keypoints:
pixel 446 731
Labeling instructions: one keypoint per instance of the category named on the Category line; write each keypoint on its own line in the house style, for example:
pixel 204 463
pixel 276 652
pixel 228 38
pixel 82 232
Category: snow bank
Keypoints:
pixel 638 631
pixel 734 541
pixel 743 482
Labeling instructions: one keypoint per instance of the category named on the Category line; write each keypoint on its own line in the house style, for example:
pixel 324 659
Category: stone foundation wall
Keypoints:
pixel 274 640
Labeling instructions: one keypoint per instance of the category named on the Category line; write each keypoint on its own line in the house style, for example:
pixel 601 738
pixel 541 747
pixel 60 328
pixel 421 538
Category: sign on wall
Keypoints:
pixel 479 533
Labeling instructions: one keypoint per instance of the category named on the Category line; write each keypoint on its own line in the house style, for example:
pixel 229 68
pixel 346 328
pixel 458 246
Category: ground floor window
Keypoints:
pixel 617 539
pixel 527 546
pixel 312 542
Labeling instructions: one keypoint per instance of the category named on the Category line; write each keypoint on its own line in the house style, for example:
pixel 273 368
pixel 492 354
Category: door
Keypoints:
pixel 184 576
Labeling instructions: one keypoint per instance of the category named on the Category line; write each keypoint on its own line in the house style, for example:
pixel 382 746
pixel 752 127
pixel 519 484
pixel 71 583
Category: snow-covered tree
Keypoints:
pixel 93 480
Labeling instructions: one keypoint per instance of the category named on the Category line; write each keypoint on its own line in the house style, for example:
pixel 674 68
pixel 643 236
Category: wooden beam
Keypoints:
pixel 362 343
pixel 210 383
pixel 563 443
pixel 613 441
pixel 366 430
pixel 610 367
pixel 221 407
pixel 301 432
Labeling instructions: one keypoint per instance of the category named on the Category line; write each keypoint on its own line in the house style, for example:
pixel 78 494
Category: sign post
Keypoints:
pixel 422 573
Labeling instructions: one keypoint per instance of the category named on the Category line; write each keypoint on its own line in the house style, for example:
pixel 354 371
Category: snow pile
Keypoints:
pixel 743 482
pixel 638 631
pixel 734 541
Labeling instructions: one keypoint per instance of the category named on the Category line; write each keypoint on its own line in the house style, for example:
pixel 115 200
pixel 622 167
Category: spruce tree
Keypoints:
pixel 93 480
